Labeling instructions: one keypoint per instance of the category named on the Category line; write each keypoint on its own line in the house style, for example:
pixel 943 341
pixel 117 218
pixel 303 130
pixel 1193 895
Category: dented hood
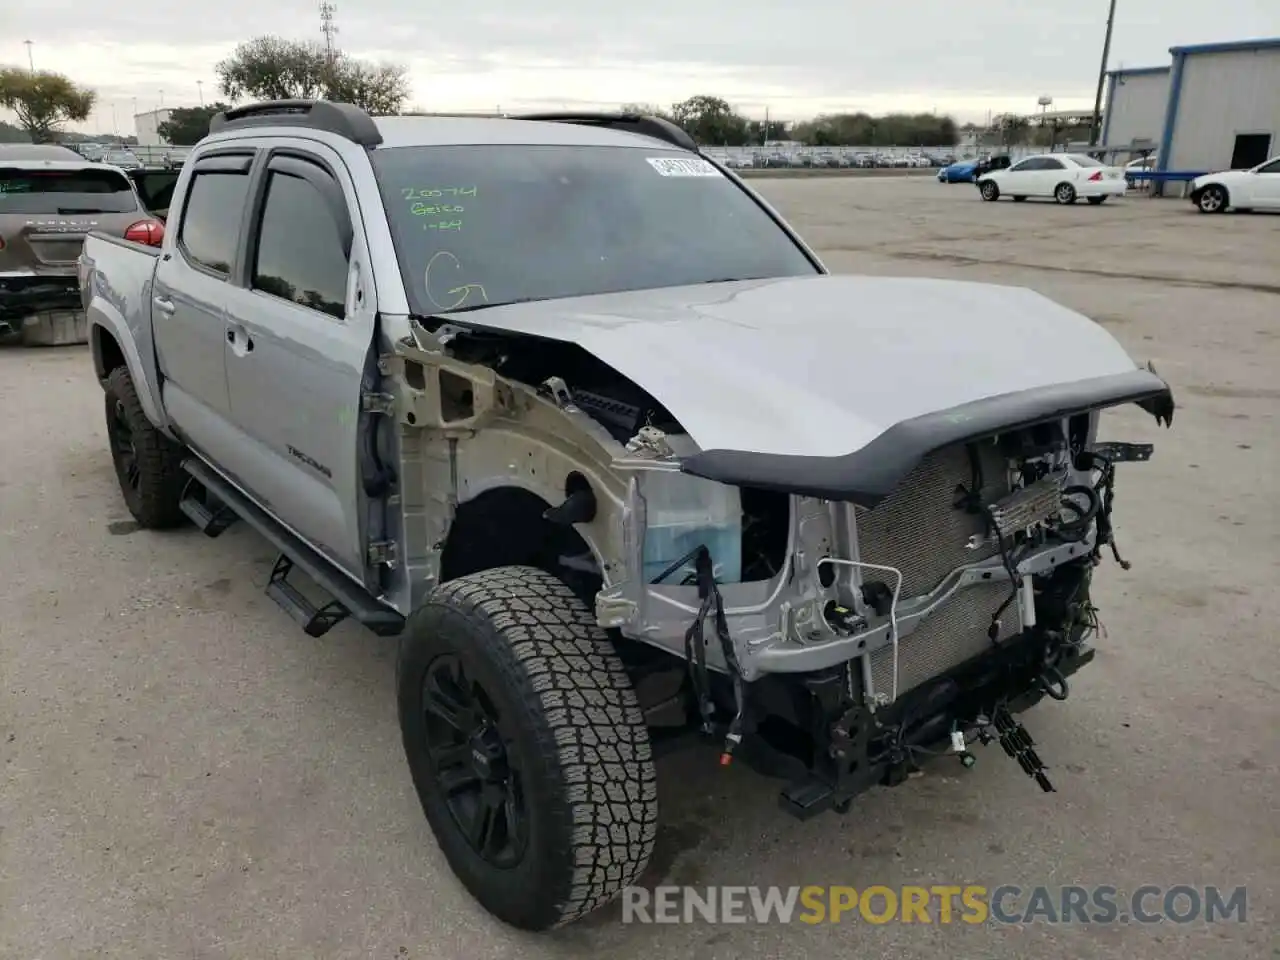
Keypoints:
pixel 821 366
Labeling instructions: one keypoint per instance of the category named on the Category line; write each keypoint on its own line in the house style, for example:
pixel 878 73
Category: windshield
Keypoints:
pixel 486 225
pixel 65 191
pixel 120 157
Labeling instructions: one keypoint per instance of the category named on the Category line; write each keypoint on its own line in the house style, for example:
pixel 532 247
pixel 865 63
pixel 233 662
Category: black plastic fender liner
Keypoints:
pixel 867 476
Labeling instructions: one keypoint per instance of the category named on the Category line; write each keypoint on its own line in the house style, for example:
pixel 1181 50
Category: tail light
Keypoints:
pixel 150 233
pixel 1096 176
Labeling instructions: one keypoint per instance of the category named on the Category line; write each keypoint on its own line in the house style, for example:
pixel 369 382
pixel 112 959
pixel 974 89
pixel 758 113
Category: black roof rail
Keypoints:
pixel 344 119
pixel 646 126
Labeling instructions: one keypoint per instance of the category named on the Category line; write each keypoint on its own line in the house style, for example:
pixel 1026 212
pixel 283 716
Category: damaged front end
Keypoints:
pixel 831 621
pixel 856 634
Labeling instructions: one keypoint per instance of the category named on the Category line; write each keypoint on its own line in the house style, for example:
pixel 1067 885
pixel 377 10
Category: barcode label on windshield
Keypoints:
pixel 683 167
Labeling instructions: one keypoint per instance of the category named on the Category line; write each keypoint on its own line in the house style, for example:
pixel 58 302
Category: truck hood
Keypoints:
pixel 821 366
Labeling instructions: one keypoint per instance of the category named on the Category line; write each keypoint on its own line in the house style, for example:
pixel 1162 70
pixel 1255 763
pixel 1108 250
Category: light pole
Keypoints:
pixel 161 99
pixel 1096 125
pixel 31 60
pixel 200 88
pixel 1045 102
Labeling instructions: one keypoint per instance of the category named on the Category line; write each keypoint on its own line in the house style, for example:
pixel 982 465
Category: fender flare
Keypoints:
pixel 105 320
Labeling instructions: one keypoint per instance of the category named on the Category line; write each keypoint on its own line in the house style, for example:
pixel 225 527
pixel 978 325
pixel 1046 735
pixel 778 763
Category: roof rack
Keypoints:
pixel 646 126
pixel 343 119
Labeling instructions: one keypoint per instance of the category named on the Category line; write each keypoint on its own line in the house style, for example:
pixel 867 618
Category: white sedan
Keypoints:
pixel 1258 188
pixel 1063 176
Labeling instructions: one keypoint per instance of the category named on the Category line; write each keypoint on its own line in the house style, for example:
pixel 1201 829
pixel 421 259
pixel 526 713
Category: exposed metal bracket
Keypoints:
pixel 383 552
pixel 379 403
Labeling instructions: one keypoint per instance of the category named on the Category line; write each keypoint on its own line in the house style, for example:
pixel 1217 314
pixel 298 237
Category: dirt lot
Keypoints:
pixel 186 775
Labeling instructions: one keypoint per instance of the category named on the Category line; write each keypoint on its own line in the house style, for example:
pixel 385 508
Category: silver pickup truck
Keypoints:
pixel 569 409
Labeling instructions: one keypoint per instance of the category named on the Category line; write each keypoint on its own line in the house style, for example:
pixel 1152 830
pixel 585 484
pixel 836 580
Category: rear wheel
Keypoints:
pixel 1065 193
pixel 148 464
pixel 1096 201
pixel 527 746
pixel 1212 199
pixel 989 190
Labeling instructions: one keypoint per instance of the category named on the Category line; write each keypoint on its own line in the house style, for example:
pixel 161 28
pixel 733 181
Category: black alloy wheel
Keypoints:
pixel 475 762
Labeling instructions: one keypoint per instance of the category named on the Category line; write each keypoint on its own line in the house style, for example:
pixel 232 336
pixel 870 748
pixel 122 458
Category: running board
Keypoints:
pixel 210 515
pixel 347 598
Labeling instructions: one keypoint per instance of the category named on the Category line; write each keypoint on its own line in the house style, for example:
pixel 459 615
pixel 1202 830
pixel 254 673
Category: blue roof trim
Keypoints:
pixel 1262 43
pixel 1136 71
pixel 1171 112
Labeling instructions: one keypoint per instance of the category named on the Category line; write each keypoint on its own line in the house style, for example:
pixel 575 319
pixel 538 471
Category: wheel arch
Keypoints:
pixel 504 525
pixel 111 350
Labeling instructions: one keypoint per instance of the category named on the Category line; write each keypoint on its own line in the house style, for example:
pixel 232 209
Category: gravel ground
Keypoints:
pixel 186 775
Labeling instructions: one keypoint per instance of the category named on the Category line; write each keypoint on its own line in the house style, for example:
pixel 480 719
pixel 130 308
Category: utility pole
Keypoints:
pixel 329 29
pixel 31 61
pixel 1095 128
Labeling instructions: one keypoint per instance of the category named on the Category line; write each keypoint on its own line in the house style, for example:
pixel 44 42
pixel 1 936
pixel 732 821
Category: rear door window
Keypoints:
pixel 210 230
pixel 66 192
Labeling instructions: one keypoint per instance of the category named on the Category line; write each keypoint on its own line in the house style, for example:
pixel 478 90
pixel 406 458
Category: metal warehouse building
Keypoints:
pixel 1136 103
pixel 1217 106
pixel 1224 106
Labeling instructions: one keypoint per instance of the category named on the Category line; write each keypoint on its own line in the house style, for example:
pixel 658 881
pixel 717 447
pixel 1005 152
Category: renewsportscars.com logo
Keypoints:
pixel 937 904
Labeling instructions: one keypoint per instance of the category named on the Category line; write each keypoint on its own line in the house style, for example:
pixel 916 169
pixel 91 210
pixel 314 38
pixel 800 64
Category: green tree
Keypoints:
pixel 186 126
pixel 890 130
pixel 11 134
pixel 43 101
pixel 272 68
pixel 710 120
pixel 646 110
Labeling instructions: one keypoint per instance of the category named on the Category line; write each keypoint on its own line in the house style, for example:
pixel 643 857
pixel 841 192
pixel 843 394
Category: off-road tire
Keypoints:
pixel 989 191
pixel 1095 201
pixel 1064 193
pixel 587 775
pixel 154 499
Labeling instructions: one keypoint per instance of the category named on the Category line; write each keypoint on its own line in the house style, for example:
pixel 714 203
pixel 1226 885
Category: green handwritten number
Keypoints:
pixel 420 193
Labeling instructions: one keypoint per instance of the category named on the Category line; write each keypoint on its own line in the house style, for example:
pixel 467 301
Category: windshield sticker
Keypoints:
pixel 682 167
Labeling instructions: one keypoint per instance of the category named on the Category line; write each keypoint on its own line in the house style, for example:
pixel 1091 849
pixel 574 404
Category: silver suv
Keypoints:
pixel 565 406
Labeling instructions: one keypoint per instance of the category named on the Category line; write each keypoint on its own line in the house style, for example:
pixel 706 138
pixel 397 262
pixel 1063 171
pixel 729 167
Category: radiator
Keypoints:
pixel 918 529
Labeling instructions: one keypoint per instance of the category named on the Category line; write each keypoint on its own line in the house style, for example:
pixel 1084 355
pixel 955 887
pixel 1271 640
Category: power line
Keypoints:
pixel 329 29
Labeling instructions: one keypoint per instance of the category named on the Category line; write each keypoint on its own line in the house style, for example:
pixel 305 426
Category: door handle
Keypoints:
pixel 164 305
pixel 240 340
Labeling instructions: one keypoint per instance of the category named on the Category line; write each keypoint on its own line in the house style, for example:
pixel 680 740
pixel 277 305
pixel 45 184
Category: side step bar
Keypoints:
pixel 347 597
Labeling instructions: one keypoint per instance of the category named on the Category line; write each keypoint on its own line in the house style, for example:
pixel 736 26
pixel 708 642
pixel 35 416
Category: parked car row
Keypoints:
pixel 829 158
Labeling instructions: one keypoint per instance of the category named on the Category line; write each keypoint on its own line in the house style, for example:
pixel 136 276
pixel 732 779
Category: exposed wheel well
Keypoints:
pixel 107 355
pixel 505 527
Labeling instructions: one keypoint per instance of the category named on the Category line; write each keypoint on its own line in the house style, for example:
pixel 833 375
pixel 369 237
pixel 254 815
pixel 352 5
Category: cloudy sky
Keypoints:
pixel 797 59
